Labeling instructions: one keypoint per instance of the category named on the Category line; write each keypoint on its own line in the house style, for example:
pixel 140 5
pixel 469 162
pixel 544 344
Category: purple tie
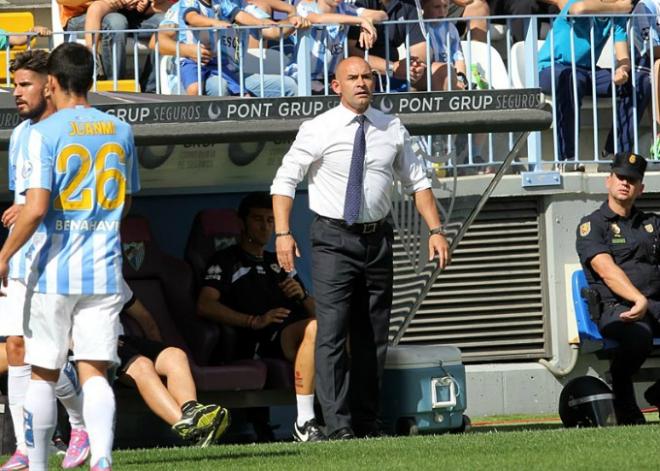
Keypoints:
pixel 353 200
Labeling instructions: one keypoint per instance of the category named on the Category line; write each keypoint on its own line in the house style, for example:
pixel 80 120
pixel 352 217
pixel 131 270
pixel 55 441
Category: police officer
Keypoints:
pixel 618 249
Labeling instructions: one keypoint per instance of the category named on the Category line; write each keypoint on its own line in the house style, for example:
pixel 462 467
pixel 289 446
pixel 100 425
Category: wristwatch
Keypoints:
pixel 437 230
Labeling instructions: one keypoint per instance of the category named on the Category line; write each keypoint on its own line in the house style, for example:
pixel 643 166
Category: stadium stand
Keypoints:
pixel 13 22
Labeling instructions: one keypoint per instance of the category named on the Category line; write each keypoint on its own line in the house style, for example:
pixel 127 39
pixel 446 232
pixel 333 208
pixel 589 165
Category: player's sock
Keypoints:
pixel 305 408
pixel 40 411
pixel 18 378
pixel 99 413
pixel 68 392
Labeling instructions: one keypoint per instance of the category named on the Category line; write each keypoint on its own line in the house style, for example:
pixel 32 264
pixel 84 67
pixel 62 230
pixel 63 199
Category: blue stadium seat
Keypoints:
pixel 587 328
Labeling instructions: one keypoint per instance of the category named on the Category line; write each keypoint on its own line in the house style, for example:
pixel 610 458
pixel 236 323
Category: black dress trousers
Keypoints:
pixel 352 274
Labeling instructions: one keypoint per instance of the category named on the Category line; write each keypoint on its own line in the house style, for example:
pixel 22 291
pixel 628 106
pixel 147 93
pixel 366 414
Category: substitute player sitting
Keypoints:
pixel 245 287
pixel 144 361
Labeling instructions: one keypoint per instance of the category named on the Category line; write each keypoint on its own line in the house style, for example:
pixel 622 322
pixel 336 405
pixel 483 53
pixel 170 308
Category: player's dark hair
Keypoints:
pixel 72 65
pixel 257 199
pixel 35 60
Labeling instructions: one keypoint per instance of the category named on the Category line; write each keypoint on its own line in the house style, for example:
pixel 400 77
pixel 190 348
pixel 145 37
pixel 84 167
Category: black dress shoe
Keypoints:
pixel 344 433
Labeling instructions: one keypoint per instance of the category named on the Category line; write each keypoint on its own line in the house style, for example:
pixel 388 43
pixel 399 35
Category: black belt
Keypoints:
pixel 358 227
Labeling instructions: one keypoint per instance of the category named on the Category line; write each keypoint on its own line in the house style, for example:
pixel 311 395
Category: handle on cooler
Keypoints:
pixel 446 381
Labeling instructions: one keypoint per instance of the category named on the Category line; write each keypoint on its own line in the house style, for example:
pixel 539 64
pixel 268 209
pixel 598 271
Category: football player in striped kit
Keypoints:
pixel 30 76
pixel 78 175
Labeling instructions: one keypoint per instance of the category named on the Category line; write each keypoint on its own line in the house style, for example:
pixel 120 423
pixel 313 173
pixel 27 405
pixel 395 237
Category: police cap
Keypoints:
pixel 628 164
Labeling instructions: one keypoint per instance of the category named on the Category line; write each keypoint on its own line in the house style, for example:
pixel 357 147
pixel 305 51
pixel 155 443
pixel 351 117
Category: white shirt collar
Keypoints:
pixel 348 116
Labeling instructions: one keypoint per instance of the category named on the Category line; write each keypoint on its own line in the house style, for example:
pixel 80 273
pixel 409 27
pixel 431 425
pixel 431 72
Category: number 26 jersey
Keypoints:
pixel 86 159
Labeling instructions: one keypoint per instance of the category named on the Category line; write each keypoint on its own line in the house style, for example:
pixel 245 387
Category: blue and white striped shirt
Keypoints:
pixel 86 159
pixel 17 147
pixel 646 22
pixel 227 39
pixel 439 35
pixel 328 41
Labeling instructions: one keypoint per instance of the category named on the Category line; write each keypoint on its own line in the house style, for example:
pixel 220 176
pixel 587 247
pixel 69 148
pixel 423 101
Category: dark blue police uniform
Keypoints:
pixel 633 242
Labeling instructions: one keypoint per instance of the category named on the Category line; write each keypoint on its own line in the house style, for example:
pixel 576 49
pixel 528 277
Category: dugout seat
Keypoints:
pixel 213 230
pixel 590 336
pixel 164 285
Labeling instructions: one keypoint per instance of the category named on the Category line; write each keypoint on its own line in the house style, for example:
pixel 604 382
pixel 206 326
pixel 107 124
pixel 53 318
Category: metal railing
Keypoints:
pixel 499 63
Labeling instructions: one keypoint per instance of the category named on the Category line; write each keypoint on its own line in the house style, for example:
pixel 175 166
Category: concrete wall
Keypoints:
pixel 530 388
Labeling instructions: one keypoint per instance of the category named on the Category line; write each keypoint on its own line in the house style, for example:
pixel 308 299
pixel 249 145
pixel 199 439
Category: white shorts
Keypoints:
pixel 11 309
pixel 56 320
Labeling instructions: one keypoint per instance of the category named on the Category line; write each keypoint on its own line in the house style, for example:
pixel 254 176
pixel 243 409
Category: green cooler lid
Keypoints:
pixel 422 356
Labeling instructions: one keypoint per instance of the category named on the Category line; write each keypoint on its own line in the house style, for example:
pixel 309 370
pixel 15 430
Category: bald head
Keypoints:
pixel 351 62
pixel 354 83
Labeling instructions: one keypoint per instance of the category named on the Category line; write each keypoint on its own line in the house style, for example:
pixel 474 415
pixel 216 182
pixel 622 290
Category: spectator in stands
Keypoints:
pixel 12 40
pixel 167 43
pixel 391 65
pixel 245 287
pixel 447 61
pixel 647 36
pixel 145 360
pixel 73 15
pixel 618 249
pixel 467 9
pixel 563 75
pixel 328 46
pixel 522 8
pixel 100 8
pixel 199 13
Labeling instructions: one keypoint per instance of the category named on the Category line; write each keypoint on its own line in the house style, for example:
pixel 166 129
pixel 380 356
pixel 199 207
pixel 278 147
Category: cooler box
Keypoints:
pixel 424 390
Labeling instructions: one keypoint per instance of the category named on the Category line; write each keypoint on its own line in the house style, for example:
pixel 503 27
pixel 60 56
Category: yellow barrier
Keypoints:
pixel 15 22
pixel 126 85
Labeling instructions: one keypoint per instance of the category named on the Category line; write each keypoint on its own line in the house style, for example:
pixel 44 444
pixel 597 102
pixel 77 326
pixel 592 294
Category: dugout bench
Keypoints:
pixel 591 340
pixel 166 286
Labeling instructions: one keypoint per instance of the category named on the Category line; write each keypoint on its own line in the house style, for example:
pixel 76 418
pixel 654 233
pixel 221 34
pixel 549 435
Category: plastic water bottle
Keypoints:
pixel 477 79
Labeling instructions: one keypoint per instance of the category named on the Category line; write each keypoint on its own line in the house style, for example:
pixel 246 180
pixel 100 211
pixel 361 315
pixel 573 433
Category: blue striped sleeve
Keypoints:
pixel 645 27
pixel 37 168
pixel 229 9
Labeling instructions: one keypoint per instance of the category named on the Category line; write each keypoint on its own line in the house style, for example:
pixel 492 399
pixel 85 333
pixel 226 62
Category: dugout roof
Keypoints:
pixel 174 119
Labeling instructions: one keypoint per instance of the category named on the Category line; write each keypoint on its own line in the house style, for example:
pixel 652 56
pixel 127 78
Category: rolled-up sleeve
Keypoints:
pixel 304 151
pixel 408 166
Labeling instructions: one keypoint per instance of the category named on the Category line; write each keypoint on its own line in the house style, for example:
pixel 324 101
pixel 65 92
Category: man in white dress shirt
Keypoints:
pixel 351 154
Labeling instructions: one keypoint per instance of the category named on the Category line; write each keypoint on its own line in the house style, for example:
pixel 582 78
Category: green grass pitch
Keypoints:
pixel 535 447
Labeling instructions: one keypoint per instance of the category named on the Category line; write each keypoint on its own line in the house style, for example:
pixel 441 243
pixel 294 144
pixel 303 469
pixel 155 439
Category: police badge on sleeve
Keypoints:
pixel 585 229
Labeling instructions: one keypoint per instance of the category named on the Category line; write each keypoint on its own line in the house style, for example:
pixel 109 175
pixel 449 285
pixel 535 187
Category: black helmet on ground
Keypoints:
pixel 587 402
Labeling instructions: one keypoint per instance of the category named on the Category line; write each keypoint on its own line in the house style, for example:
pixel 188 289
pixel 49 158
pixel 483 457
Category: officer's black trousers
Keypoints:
pixel 635 345
pixel 352 275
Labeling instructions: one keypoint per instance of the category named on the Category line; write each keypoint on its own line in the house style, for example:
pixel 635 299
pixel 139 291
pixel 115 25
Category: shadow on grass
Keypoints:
pixel 516 427
pixel 209 455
